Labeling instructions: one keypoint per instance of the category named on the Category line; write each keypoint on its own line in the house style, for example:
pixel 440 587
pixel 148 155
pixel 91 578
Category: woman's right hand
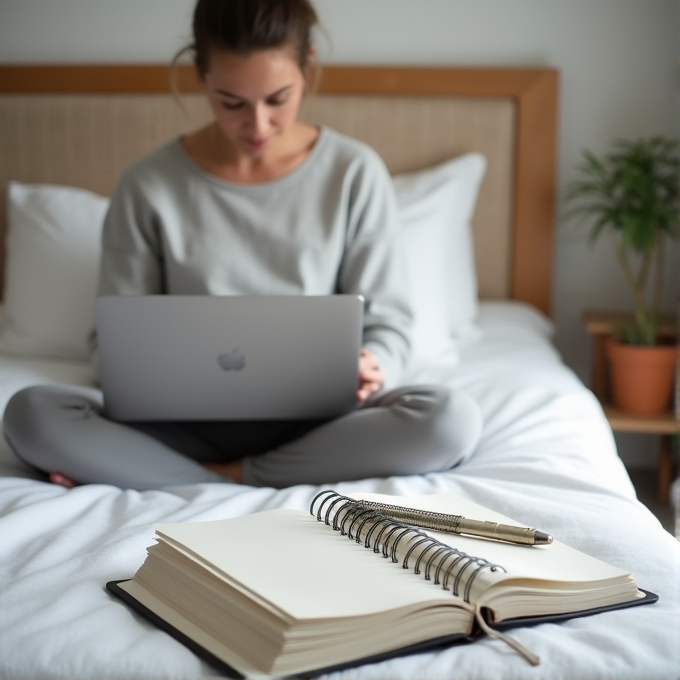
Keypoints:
pixel 371 378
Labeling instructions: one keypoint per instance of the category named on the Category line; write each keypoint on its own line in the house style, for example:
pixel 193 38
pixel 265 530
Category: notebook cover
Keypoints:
pixel 428 645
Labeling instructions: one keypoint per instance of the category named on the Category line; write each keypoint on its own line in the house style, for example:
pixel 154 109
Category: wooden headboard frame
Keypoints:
pixel 532 91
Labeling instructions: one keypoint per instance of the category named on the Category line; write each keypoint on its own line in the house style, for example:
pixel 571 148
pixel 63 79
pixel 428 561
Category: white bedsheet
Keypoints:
pixel 547 458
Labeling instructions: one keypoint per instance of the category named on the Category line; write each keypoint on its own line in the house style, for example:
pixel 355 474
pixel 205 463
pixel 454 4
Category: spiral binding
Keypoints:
pixel 356 521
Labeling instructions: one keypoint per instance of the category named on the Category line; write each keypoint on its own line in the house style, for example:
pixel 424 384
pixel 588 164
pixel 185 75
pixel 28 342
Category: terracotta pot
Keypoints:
pixel 641 378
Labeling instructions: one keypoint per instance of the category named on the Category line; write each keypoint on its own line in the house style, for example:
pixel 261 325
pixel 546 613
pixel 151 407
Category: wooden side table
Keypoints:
pixel 600 325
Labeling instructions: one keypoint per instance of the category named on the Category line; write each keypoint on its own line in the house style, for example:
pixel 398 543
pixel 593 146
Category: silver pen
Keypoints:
pixel 457 524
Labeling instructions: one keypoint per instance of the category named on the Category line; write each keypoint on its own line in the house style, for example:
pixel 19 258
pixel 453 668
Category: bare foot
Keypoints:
pixel 62 480
pixel 233 469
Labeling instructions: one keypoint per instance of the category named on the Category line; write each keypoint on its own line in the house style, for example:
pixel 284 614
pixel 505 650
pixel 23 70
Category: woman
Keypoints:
pixel 255 202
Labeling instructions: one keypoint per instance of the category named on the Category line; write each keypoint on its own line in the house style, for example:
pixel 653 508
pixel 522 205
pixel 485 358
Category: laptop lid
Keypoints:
pixel 170 357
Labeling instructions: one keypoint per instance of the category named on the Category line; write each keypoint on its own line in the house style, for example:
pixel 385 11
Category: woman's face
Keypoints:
pixel 255 98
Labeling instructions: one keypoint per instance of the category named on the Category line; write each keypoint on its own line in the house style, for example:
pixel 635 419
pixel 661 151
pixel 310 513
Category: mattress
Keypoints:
pixel 547 458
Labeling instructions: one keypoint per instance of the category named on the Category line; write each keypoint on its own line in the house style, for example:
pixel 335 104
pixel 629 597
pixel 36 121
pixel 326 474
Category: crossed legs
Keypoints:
pixel 410 430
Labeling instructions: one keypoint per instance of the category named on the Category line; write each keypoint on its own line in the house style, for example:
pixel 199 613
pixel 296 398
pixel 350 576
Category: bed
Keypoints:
pixel 473 154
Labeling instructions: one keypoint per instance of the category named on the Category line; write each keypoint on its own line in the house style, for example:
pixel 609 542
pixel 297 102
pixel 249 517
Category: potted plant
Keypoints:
pixel 632 194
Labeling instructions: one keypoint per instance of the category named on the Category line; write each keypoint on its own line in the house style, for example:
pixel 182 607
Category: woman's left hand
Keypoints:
pixel 371 378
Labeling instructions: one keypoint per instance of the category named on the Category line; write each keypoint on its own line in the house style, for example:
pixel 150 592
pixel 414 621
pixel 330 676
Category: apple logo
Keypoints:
pixel 232 361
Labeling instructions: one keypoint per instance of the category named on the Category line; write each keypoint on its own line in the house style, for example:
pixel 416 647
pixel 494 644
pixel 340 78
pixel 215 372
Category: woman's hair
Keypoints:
pixel 247 26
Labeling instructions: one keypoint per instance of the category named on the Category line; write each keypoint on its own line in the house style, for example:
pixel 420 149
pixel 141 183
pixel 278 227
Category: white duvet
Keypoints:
pixel 547 458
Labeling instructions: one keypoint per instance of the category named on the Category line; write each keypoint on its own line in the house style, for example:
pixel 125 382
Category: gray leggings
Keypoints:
pixel 410 430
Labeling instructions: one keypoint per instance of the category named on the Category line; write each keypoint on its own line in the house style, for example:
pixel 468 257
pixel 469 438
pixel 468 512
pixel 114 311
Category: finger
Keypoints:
pixel 371 375
pixel 367 388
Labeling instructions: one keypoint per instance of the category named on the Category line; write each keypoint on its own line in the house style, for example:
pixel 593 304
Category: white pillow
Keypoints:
pixel 436 208
pixel 53 246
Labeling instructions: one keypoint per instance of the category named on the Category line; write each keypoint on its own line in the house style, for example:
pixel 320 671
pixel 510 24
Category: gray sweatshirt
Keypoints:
pixel 330 226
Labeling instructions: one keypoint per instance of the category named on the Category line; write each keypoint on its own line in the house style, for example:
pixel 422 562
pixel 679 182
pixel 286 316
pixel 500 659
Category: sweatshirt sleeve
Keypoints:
pixel 131 261
pixel 374 267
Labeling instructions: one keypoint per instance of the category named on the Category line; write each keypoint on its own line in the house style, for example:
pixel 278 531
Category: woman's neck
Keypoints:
pixel 211 151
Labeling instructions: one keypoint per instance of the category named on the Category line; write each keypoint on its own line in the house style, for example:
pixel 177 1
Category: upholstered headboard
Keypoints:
pixel 81 125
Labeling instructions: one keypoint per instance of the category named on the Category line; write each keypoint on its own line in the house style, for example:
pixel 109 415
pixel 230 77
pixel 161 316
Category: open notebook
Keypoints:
pixel 281 592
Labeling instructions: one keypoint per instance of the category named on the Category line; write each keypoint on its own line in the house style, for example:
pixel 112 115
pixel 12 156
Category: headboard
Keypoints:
pixel 81 125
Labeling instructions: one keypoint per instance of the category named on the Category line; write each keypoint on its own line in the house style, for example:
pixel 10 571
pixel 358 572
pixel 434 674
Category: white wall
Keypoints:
pixel 618 61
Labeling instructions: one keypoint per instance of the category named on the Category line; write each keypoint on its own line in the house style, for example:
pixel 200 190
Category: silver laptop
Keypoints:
pixel 169 357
